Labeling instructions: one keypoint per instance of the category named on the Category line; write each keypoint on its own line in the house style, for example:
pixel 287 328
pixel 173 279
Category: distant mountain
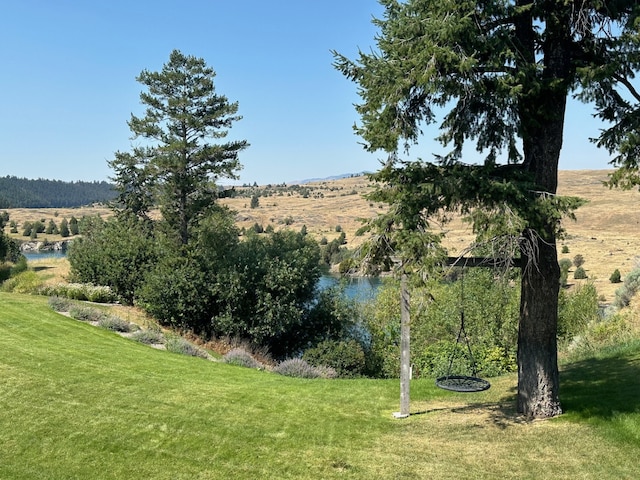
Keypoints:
pixel 334 177
pixel 24 193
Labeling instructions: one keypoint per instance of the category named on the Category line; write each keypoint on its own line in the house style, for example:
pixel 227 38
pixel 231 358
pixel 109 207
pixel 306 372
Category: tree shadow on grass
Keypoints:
pixel 601 387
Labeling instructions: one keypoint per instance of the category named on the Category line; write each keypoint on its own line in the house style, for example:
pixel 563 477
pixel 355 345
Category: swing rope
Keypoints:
pixel 462 383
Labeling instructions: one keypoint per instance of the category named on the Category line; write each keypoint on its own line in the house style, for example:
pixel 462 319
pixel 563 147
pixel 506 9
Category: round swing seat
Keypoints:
pixel 462 383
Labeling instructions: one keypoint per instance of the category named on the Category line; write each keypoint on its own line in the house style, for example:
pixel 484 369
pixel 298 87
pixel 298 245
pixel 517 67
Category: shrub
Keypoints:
pixel 86 314
pixel 297 367
pixel 630 287
pixel 578 261
pixel 345 357
pixel 114 324
pixel 576 310
pixel 242 358
pixel 25 282
pixel 59 304
pixel 180 345
pixel 579 274
pixel 615 276
pixel 148 337
pixel 565 249
pixel 81 291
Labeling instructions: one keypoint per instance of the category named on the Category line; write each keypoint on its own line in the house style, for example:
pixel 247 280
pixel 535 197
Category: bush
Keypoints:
pixel 242 358
pixel 148 337
pixel 579 274
pixel 576 310
pixel 180 345
pixel 114 324
pixel 297 367
pixel 25 282
pixel 86 314
pixel 630 287
pixel 59 304
pixel 347 358
pixel 565 249
pixel 81 291
pixel 615 276
pixel 578 261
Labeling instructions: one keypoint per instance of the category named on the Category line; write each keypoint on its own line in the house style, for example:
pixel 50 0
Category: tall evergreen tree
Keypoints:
pixel 501 71
pixel 183 112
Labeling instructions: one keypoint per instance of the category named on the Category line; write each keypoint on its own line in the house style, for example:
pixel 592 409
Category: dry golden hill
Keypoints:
pixel 606 233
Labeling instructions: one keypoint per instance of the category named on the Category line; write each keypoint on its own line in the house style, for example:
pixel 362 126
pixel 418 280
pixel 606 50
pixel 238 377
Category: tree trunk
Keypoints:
pixel 405 360
pixel 538 377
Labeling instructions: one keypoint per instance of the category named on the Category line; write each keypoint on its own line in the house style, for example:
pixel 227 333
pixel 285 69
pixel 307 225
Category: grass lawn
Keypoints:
pixel 81 402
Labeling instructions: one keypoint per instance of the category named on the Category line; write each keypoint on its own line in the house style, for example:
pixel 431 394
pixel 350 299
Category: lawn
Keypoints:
pixel 80 402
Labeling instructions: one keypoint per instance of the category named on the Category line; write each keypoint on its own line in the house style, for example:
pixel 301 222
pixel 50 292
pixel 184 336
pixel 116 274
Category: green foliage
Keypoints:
pixel 64 228
pixel 580 274
pixel 177 167
pixel 264 297
pixel 565 264
pixel 42 193
pixel 255 202
pixel 347 358
pixel 576 310
pixel 118 253
pixel 24 282
pixel 565 249
pixel 615 276
pixel 491 315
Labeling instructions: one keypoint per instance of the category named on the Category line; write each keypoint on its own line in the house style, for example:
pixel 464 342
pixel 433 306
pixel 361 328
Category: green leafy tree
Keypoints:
pixel 255 201
pixel 73 226
pixel 183 112
pixel 118 253
pixel 498 74
pixel 64 228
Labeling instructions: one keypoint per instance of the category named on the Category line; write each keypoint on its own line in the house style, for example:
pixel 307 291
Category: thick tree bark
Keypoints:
pixel 538 377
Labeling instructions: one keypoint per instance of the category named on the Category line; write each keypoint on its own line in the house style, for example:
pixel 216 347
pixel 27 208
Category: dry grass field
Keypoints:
pixel 606 233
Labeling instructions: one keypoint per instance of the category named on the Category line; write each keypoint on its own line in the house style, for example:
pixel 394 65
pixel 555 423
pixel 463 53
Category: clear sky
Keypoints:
pixel 68 84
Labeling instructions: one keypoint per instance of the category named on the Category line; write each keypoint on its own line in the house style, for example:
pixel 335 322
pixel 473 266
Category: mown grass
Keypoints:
pixel 81 402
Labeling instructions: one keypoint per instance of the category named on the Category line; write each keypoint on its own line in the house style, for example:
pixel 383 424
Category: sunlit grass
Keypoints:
pixel 81 402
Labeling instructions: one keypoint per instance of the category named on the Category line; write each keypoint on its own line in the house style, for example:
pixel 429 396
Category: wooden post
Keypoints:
pixel 405 357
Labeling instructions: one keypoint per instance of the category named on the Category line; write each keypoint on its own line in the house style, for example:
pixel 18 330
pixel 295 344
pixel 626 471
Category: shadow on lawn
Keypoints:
pixel 601 387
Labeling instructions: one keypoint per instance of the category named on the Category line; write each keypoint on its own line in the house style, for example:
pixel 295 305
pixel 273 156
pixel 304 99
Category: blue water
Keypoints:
pixel 359 288
pixel 44 255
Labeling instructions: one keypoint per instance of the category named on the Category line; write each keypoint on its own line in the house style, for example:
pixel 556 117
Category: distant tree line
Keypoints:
pixel 25 193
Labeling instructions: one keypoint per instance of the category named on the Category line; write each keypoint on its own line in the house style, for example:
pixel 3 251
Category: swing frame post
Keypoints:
pixel 405 355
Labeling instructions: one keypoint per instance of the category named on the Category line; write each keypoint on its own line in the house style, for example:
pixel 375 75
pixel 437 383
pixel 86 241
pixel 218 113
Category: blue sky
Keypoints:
pixel 68 83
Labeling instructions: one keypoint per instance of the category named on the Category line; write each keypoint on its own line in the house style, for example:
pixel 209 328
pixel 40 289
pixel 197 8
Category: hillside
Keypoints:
pixel 606 232
pixel 24 193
